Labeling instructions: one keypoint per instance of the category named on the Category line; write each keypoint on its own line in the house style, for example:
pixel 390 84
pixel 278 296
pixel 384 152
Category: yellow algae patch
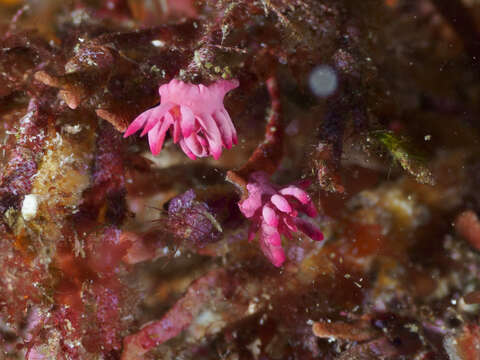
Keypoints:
pixel 63 175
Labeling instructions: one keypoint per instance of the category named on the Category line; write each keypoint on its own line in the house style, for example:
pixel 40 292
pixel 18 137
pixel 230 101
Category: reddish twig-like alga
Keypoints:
pixel 268 154
pixel 177 319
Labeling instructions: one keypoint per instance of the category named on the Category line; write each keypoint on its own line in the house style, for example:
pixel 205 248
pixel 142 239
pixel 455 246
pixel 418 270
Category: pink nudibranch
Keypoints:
pixel 201 124
pixel 274 211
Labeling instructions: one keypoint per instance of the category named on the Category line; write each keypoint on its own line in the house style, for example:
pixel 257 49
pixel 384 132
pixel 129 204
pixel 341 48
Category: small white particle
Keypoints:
pixel 252 308
pixel 29 207
pixel 73 129
pixel 255 348
pixel 158 43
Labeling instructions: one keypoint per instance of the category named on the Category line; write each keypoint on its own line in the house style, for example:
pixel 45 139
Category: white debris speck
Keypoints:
pixel 255 348
pixel 331 339
pixel 29 207
pixel 412 327
pixel 73 129
pixel 57 140
pixel 207 322
pixel 469 308
pixel 70 159
pixel 158 43
pixel 252 308
pixel 206 318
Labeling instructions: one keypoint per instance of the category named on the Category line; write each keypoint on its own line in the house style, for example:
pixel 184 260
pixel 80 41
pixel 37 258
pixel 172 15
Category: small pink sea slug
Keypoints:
pixel 274 211
pixel 195 115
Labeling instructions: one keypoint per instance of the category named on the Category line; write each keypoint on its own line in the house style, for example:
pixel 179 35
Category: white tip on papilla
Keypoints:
pixel 30 207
